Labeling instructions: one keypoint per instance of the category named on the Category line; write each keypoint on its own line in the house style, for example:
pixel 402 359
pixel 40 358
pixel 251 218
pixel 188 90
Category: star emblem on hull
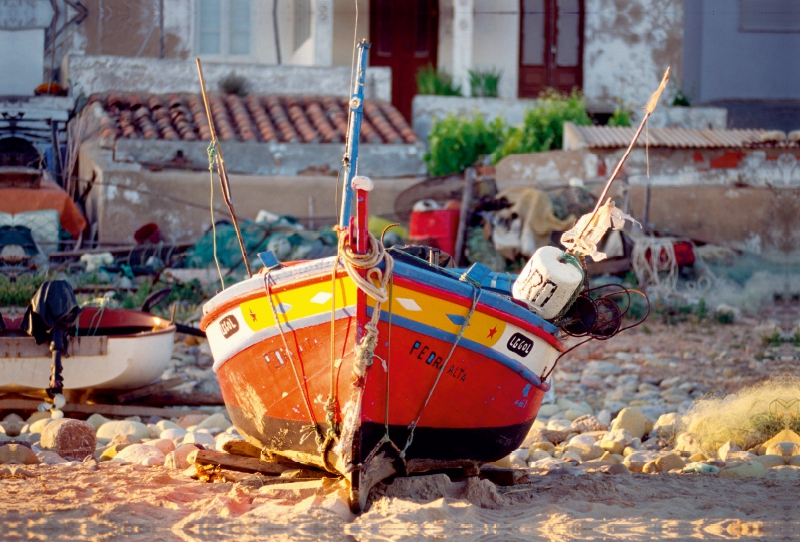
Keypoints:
pixel 492 333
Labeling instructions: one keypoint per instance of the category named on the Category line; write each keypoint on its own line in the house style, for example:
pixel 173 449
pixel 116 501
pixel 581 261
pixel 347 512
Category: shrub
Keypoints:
pixel 484 84
pixel 681 99
pixel 456 143
pixel 543 127
pixel 621 117
pixel 430 81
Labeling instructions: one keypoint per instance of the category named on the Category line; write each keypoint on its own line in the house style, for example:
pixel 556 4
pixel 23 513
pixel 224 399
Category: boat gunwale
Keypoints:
pixel 164 326
pixel 249 295
pixel 254 293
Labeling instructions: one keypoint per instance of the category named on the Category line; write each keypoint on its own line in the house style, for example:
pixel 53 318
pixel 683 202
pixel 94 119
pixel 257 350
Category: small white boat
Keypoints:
pixel 111 349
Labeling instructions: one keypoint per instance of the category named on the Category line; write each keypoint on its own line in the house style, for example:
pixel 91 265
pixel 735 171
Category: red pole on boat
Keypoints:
pixel 362 186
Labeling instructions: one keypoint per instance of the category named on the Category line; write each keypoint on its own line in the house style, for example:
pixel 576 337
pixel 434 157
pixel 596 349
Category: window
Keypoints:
pixel 769 16
pixel 224 27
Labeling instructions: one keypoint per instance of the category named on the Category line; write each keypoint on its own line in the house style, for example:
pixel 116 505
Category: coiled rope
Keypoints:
pixel 353 264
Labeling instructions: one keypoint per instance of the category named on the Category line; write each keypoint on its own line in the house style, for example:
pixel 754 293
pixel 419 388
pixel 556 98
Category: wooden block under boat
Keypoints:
pixel 240 463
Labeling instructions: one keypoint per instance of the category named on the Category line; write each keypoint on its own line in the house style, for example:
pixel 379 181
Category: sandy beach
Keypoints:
pixel 558 501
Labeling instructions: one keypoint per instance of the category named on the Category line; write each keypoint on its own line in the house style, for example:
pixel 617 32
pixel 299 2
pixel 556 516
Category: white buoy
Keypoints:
pixel 547 282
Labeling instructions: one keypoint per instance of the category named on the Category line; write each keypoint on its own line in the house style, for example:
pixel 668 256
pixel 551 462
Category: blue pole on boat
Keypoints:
pixel 353 135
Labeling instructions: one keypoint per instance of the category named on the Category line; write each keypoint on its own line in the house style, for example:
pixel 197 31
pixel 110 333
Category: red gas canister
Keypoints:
pixel 435 228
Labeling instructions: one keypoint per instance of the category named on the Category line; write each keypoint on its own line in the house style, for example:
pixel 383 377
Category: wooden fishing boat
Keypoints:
pixel 373 363
pixel 109 349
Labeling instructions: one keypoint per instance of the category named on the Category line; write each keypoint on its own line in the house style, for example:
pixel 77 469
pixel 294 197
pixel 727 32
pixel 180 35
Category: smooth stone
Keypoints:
pixel 741 456
pixel 538 455
pixel 559 425
pixel 785 449
pixel 616 441
pixel 17 453
pixel 668 425
pixel 748 469
pixel 163 444
pixel 548 410
pixel 544 435
pixel 687 442
pixel 200 438
pixel 139 453
pixel 218 421
pixel 697 457
pixel 191 420
pixel 726 449
pixel 50 458
pixel 38 415
pixel 787 435
pixel 616 468
pixel 519 458
pixel 587 423
pixel 172 433
pixel 548 447
pixel 632 420
pixel 13 418
pixel 586 452
pixel 177 459
pixel 637 460
pixel 111 452
pixel 582 439
pixel 69 438
pixel 39 425
pixel 770 461
pixel 794 461
pixel 571 456
pixel 650 468
pixel 12 428
pixel 163 425
pixel 97 420
pixel 669 462
pixel 125 427
pixel 611 458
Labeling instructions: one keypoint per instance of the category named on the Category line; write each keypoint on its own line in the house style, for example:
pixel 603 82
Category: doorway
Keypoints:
pixel 404 36
pixel 551 46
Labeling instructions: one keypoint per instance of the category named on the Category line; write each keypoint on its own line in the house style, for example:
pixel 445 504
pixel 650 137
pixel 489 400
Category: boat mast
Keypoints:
pixel 353 135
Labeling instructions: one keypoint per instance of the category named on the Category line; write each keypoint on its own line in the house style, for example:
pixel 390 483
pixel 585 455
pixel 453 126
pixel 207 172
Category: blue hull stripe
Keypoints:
pixel 490 299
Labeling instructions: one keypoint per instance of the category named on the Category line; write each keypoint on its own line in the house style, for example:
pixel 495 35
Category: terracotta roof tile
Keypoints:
pixel 254 118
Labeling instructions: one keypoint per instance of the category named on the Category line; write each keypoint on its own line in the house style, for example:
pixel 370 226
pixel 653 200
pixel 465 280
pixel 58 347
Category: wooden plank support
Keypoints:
pixel 242 447
pixel 162 385
pixel 108 410
pixel 239 462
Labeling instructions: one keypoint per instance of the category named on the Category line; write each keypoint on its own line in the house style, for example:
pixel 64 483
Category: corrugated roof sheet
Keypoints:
pixel 611 137
pixel 299 119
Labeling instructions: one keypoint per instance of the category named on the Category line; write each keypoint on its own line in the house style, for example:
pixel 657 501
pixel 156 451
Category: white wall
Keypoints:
pixel 496 42
pixel 22 61
pixel 748 65
pixel 628 46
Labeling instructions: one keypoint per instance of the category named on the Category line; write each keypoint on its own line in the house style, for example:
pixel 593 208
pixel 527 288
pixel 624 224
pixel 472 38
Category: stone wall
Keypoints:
pixel 126 196
pixel 92 74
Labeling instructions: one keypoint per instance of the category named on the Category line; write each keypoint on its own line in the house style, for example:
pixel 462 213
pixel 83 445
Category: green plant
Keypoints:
pixel 456 142
pixel 681 99
pixel 701 309
pixel 18 293
pixel 621 117
pixel 234 84
pixel 483 84
pixel 543 127
pixel 440 83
